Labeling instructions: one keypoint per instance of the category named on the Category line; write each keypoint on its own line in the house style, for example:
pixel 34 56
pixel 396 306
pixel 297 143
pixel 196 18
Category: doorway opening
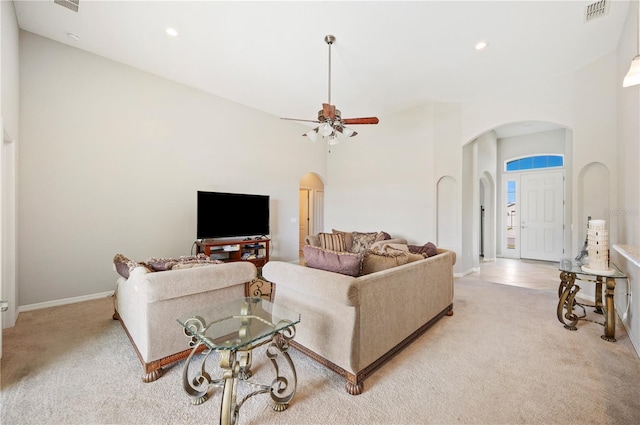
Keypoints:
pixel 311 195
pixel 515 172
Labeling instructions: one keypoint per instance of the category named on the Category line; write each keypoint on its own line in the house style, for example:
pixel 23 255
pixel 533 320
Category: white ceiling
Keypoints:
pixel 389 56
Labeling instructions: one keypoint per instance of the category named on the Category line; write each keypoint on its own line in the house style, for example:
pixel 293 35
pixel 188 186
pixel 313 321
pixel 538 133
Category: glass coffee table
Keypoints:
pixel 234 329
pixel 572 270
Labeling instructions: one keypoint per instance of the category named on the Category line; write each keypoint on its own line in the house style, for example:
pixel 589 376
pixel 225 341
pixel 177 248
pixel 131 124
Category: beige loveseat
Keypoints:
pixel 353 325
pixel 148 305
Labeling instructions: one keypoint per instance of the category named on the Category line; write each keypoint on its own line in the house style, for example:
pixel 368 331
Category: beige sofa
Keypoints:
pixel 148 305
pixel 353 325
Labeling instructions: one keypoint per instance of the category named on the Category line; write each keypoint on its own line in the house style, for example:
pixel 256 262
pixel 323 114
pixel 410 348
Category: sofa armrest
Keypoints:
pixel 158 286
pixel 313 283
pixel 453 254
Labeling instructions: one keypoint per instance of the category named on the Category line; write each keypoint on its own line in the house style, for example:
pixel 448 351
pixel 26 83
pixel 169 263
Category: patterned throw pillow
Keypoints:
pixel 378 261
pixel 348 239
pixel 383 236
pixel 428 249
pixel 362 241
pixel 122 265
pixel 163 264
pixel 332 241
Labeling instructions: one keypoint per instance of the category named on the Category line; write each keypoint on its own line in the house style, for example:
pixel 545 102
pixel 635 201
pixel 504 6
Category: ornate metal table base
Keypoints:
pixel 236 366
pixel 567 303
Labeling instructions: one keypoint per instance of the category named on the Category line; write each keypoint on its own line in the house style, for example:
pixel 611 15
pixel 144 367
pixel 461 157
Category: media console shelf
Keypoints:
pixel 254 250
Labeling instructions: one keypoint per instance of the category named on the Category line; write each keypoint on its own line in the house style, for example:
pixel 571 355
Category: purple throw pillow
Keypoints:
pixel 428 249
pixel 346 263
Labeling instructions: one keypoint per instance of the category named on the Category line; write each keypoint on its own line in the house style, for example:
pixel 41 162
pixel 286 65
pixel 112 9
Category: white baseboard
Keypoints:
pixel 65 301
pixel 463 274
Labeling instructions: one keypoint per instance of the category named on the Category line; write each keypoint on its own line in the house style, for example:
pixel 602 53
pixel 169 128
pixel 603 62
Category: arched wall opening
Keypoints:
pixel 485 176
pixel 487 199
pixel 594 181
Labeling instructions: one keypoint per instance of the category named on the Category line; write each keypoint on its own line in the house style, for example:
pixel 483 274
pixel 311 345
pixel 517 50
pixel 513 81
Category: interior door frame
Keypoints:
pixel 309 209
pixel 515 253
pixel 515 176
pixel 8 213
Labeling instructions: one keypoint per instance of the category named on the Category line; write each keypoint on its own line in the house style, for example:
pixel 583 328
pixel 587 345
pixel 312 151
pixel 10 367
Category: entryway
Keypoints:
pixel 533 226
pixel 533 274
pixel 311 218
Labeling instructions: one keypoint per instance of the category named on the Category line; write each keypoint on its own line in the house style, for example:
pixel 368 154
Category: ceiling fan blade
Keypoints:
pixel 366 120
pixel 329 110
pixel 296 119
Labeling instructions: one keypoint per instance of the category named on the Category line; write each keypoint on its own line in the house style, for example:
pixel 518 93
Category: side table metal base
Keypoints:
pixel 567 292
pixel 235 365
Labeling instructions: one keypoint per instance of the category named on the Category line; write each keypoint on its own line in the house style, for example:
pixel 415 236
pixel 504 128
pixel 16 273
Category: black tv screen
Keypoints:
pixel 222 215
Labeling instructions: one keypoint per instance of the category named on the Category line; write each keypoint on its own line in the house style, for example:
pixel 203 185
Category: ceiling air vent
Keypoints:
pixel 69 4
pixel 596 10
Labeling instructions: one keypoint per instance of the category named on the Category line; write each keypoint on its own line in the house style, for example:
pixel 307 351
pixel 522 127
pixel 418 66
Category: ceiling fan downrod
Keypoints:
pixel 329 39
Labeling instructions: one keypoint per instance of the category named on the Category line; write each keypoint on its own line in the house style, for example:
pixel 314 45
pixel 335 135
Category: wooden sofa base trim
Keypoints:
pixel 153 369
pixel 354 383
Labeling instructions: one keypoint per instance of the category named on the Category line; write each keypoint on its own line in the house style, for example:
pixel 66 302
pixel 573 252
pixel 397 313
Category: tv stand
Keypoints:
pixel 228 250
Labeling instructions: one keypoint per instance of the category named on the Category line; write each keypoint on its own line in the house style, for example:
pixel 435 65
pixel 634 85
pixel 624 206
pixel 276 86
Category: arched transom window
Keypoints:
pixel 534 162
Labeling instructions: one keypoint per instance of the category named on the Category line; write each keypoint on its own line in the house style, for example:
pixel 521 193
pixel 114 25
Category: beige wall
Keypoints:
pixel 383 179
pixel 9 79
pixel 9 130
pixel 111 159
pixel 626 210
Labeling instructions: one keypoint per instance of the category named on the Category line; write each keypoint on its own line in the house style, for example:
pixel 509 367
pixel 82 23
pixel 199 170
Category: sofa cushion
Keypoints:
pixel 181 266
pixel 163 264
pixel 362 241
pixel 375 261
pixel 383 236
pixel 428 249
pixel 122 265
pixel 332 241
pixel 346 263
pixel 313 240
pixel 348 239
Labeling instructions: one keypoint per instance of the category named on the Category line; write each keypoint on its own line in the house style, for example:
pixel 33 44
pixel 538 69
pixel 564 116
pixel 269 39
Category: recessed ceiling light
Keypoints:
pixel 74 37
pixel 172 32
pixel 480 45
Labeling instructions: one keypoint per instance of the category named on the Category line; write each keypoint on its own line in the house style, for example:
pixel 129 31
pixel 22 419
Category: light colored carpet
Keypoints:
pixel 503 358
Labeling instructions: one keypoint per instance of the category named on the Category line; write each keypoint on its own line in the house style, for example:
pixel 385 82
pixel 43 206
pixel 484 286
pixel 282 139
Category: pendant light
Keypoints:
pixel 633 76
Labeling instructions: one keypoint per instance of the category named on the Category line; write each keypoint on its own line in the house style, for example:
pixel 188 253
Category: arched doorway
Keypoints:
pixel 497 186
pixel 311 190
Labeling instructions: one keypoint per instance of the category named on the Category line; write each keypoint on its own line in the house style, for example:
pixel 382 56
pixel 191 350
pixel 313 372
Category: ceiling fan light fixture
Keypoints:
pixel 348 132
pixel 633 76
pixel 325 129
pixel 312 134
pixel 330 120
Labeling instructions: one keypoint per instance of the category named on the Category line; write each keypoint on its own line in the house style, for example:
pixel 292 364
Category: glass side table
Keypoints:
pixel 234 329
pixel 570 271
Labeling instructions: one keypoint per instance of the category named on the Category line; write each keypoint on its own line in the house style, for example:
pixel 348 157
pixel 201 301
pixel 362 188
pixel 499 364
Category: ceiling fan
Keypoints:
pixel 330 118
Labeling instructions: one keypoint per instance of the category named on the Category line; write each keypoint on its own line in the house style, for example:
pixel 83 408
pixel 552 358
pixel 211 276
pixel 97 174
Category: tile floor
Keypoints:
pixel 526 273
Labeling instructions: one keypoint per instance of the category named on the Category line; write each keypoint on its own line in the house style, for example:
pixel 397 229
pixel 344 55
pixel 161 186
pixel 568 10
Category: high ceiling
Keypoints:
pixel 389 56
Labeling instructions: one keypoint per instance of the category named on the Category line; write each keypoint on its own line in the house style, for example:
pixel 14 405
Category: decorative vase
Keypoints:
pixel 598 245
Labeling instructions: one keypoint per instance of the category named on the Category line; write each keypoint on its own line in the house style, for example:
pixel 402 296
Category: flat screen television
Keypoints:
pixel 222 215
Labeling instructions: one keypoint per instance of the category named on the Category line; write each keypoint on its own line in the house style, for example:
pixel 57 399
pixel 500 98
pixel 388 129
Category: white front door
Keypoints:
pixel 542 215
